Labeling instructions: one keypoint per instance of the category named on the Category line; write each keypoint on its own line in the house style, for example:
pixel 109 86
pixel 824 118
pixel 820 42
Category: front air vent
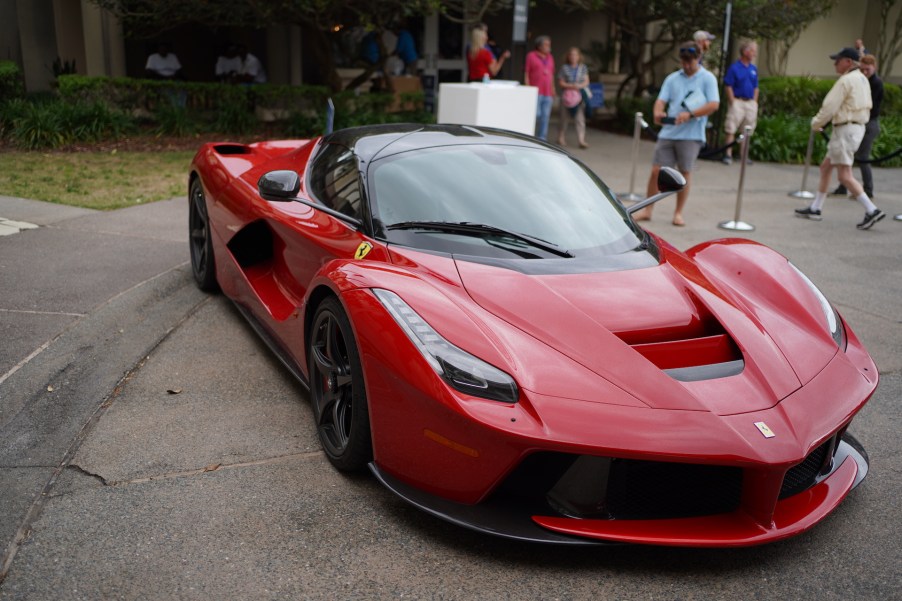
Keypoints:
pixel 252 245
pixel 645 490
pixel 623 489
pixel 695 359
pixel 803 476
pixel 699 349
pixel 230 149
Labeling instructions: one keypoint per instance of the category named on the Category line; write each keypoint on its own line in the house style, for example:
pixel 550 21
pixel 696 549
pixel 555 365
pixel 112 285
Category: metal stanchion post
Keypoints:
pixel 736 224
pixel 638 124
pixel 802 192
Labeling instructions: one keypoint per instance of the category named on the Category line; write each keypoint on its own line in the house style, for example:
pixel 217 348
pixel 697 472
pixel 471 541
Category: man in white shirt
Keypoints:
pixel 848 106
pixel 251 68
pixel 163 64
pixel 229 64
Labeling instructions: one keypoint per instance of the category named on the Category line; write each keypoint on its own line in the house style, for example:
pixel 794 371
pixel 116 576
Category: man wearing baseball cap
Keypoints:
pixel 687 97
pixel 703 40
pixel 848 106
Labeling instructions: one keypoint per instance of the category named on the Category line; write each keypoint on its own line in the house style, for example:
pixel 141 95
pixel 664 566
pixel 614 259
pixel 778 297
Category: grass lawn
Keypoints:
pixel 95 180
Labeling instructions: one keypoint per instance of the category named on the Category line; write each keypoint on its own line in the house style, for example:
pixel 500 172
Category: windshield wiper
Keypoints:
pixel 467 228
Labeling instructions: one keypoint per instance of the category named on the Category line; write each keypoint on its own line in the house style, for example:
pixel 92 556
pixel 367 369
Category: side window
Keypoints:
pixel 335 181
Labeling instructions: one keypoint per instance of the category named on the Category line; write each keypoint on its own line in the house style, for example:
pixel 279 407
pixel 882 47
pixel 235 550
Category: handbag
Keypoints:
pixel 571 98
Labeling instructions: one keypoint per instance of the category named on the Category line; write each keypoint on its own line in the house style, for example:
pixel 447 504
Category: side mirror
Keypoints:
pixel 669 181
pixel 279 185
pixel 283 185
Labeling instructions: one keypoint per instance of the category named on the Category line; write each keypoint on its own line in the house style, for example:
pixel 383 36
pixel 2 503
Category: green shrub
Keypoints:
pixel 802 96
pixel 304 125
pixel 173 119
pixel 121 92
pixel 10 81
pixel 179 108
pixel 889 140
pixel 353 110
pixel 129 95
pixel 93 122
pixel 234 111
pixel 892 101
pixel 10 110
pixel 37 124
pixel 784 139
pixel 787 105
pixel 291 98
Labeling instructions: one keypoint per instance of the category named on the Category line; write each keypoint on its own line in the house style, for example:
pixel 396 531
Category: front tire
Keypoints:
pixel 202 264
pixel 337 390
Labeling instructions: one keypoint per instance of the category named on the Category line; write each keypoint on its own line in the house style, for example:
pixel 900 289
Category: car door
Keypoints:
pixel 310 238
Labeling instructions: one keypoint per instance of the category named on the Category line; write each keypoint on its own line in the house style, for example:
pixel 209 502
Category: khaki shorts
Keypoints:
pixel 844 143
pixel 741 112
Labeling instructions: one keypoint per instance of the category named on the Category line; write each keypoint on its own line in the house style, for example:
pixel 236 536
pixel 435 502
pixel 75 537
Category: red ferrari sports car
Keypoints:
pixel 481 323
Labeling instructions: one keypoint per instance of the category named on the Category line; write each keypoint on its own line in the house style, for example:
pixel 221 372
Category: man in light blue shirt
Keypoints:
pixel 686 99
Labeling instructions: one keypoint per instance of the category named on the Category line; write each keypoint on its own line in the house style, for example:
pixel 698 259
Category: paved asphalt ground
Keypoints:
pixel 152 448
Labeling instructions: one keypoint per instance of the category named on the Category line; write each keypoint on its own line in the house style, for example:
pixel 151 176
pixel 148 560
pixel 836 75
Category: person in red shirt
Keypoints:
pixel 480 60
pixel 539 72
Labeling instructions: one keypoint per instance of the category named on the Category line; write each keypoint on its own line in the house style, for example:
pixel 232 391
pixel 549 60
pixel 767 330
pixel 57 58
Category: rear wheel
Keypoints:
pixel 202 263
pixel 337 390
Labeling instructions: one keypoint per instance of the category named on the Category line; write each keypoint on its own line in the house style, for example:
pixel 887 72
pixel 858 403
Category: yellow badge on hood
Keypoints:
pixel 765 431
pixel 363 250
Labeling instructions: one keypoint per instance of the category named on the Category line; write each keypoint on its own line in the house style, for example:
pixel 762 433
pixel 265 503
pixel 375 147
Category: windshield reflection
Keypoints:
pixel 532 191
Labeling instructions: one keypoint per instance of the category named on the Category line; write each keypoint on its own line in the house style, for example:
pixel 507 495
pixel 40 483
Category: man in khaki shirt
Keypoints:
pixel 848 106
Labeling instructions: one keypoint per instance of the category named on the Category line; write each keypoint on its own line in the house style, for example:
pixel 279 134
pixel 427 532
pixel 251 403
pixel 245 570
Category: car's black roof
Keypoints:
pixel 372 141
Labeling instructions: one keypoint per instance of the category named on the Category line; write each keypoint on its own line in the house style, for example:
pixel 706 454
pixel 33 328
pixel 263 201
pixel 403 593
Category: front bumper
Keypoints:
pixel 533 519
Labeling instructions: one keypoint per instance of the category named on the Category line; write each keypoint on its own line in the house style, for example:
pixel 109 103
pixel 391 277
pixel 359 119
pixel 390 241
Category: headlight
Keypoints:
pixel 834 323
pixel 461 370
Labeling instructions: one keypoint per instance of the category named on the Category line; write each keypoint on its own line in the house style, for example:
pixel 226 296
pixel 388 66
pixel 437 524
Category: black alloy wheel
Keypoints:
pixel 202 263
pixel 336 389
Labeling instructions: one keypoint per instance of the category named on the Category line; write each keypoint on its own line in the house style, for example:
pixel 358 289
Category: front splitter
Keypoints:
pixel 521 521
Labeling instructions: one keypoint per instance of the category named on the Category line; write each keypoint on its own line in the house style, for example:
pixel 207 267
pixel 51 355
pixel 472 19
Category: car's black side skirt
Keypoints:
pixel 273 345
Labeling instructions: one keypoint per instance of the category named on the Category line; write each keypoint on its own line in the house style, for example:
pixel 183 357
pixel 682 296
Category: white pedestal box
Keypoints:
pixel 500 104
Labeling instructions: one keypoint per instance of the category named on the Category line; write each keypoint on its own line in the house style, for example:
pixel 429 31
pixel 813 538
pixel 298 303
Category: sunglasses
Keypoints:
pixel 688 53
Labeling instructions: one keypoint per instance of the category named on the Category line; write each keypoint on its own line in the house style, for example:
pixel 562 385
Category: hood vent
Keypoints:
pixel 702 350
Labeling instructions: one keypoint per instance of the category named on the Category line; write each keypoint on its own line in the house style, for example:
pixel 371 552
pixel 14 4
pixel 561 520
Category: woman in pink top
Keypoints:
pixel 540 73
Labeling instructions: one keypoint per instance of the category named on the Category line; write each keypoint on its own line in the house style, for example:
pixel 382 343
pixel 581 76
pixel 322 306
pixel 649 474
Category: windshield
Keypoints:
pixel 533 192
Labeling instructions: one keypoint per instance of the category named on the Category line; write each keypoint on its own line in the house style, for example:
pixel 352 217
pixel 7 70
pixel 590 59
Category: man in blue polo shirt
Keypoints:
pixel 741 87
pixel 686 99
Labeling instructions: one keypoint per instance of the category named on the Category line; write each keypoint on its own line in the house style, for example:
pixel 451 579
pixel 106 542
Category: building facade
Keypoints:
pixel 37 33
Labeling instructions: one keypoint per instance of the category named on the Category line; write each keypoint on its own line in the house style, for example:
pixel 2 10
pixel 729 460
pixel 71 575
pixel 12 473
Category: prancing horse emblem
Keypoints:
pixel 767 432
pixel 363 250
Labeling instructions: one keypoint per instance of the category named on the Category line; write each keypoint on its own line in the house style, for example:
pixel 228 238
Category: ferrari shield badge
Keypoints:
pixel 767 432
pixel 363 250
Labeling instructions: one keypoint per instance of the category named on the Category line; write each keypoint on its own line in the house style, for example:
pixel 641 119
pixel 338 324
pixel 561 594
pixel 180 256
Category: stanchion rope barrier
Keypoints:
pixel 653 133
pixel 702 155
pixel 878 160
pixel 716 151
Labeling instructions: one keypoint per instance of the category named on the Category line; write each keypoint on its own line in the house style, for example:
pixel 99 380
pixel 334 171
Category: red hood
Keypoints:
pixel 594 318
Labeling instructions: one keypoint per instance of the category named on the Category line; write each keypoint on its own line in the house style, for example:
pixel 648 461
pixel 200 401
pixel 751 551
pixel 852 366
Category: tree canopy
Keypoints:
pixel 148 18
pixel 650 30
